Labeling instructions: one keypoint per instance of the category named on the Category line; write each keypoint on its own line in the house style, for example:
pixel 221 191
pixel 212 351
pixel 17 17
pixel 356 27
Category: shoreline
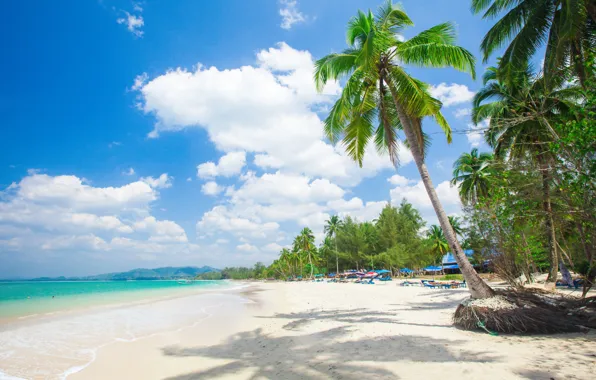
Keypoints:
pixel 67 342
pixel 312 330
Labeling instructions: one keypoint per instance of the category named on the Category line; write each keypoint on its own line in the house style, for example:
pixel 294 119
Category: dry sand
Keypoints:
pixel 343 331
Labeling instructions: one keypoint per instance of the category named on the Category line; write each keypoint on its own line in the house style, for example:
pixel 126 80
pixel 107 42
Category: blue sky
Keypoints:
pixel 141 134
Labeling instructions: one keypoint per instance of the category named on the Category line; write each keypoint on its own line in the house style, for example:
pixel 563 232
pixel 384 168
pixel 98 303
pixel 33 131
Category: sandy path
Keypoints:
pixel 345 331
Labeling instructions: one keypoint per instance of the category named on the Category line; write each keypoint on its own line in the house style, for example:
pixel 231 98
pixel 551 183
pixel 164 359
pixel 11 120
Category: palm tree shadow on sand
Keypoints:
pixel 324 354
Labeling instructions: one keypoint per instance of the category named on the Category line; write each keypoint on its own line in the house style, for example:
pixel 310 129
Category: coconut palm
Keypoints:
pixel 472 173
pixel 520 108
pixel 331 227
pixel 456 225
pixel 305 242
pixel 439 246
pixel 378 86
pixel 565 27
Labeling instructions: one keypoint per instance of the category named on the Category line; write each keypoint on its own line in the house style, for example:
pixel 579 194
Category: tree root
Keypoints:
pixel 529 311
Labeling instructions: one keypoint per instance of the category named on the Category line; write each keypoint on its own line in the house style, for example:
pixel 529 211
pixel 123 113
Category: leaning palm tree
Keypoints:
pixel 331 227
pixel 305 241
pixel 520 107
pixel 566 28
pixel 472 173
pixel 378 86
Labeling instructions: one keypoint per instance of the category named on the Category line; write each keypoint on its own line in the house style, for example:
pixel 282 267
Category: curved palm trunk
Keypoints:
pixel 550 227
pixel 478 288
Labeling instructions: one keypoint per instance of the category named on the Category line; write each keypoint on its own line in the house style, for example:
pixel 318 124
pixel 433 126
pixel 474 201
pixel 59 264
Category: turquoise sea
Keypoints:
pixel 49 330
pixel 29 298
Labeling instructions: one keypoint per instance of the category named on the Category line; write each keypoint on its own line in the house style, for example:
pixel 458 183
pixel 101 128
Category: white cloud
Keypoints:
pixel 228 165
pixel 139 82
pixel 130 171
pixel 399 180
pixel 161 182
pixel 266 109
pixel 246 247
pixel 290 14
pixel 220 219
pixel 134 21
pixel 272 247
pixel 66 215
pixel 452 94
pixel 222 241
pixel 475 134
pixel 72 192
pixel 343 205
pixel 114 143
pixel 161 230
pixel 211 188
pixel 280 187
pixel 462 112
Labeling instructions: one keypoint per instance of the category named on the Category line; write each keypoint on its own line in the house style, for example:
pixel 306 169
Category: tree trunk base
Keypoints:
pixel 529 311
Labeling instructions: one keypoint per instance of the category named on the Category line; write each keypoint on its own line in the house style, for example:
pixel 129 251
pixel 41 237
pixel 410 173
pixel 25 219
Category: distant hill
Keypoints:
pixel 165 273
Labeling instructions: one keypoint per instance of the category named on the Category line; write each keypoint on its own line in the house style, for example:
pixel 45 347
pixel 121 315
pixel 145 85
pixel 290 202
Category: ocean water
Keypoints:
pixel 49 338
pixel 29 298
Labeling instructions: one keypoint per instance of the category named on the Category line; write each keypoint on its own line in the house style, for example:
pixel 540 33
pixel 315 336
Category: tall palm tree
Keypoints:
pixel 439 246
pixel 306 242
pixel 378 86
pixel 331 227
pixel 472 173
pixel 520 108
pixel 566 27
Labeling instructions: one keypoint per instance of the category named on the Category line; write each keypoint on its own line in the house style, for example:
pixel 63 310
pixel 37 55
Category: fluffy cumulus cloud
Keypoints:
pixel 268 109
pixel 67 215
pixel 211 188
pixel 452 94
pixel 228 165
pixel 290 14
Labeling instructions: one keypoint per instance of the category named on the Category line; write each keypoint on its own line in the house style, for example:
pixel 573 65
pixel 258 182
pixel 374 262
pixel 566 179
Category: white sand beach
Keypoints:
pixel 342 331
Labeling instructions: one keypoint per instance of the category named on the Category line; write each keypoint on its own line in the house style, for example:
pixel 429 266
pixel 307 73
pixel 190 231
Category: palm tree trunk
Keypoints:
pixel 478 288
pixel 550 227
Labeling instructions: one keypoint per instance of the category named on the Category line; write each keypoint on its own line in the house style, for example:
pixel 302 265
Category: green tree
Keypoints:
pixel 566 28
pixel 472 173
pixel 521 107
pixel 456 225
pixel 331 227
pixel 438 243
pixel 378 86
pixel 305 241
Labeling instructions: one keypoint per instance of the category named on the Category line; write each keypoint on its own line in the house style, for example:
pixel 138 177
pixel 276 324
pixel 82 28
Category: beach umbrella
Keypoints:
pixel 383 271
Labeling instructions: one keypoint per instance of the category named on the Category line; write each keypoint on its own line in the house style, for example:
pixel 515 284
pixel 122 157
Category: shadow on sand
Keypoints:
pixel 323 354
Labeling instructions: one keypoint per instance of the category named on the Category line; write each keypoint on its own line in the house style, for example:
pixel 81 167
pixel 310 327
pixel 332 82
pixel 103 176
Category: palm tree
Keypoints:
pixel 439 246
pixel 378 86
pixel 521 107
pixel 472 174
pixel 566 27
pixel 456 225
pixel 331 227
pixel 306 242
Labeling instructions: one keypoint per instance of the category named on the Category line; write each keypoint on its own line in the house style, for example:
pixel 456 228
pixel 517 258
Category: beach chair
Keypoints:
pixel 426 284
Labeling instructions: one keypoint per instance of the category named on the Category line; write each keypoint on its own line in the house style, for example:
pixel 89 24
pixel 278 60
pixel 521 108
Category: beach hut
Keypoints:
pixel 433 269
pixel 449 265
